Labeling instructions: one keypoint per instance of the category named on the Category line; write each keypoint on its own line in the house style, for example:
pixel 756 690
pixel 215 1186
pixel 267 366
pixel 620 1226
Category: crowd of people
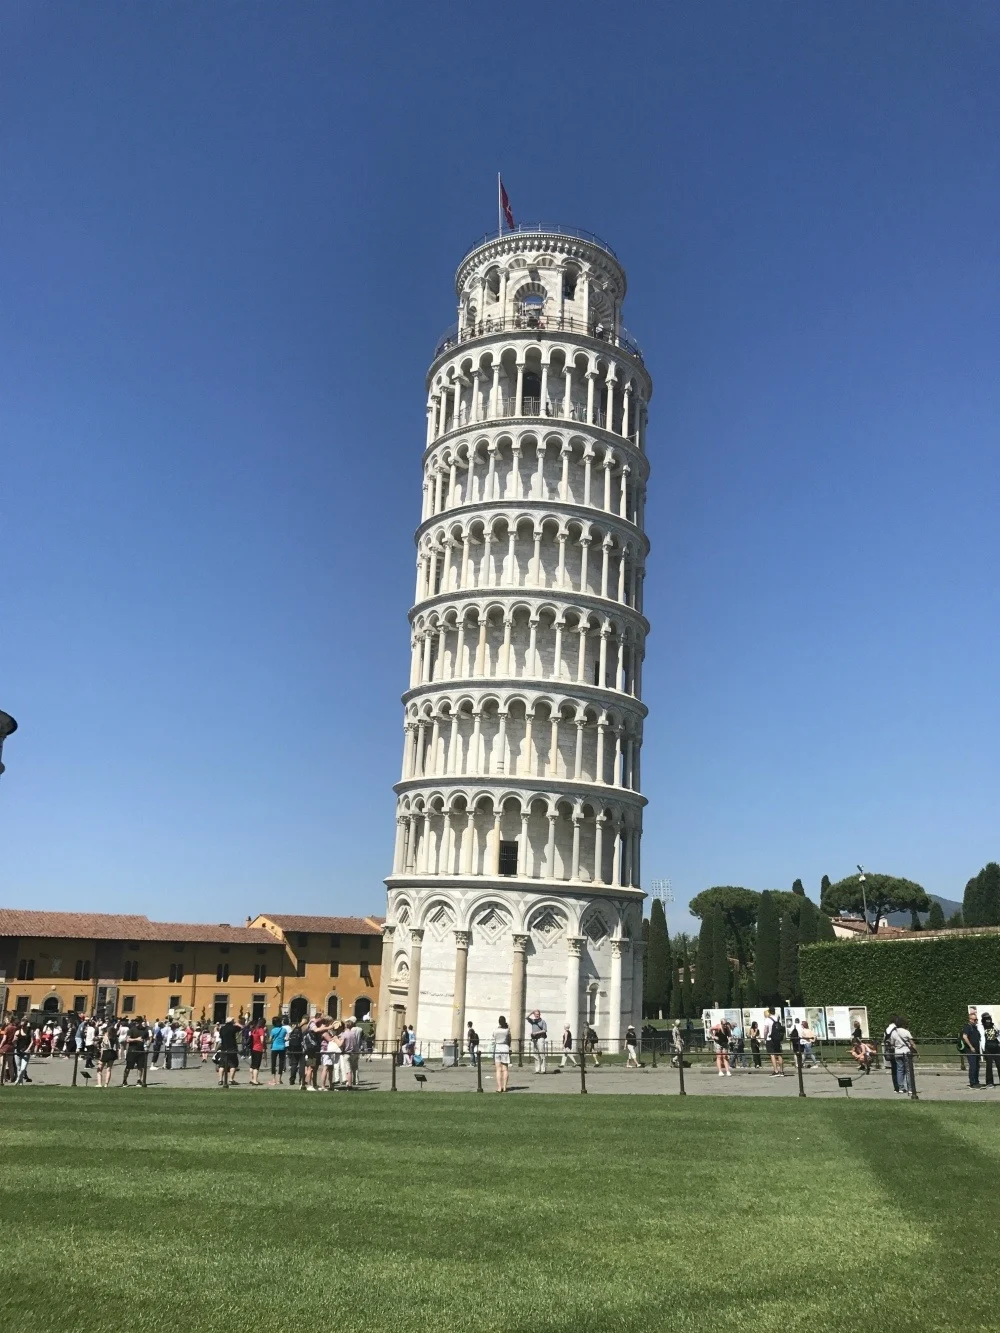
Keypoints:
pixel 318 1054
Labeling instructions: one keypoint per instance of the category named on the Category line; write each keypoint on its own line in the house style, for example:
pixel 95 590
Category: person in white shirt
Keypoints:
pixel 774 1032
pixel 903 1046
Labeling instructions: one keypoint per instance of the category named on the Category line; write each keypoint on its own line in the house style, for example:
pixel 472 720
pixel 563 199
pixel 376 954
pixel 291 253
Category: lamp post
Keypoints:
pixel 864 898
pixel 7 727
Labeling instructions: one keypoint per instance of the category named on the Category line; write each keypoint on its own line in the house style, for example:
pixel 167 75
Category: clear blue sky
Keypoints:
pixel 229 242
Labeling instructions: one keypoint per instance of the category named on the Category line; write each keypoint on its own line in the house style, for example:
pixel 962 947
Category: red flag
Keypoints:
pixel 505 207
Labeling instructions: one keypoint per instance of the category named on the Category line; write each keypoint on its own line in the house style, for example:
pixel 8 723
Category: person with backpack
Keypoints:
pixel 991 1049
pixel 774 1035
pixel 720 1040
pixel 903 1048
pixel 472 1044
pixel 293 1048
pixel 312 1050
pixel 971 1044
pixel 593 1046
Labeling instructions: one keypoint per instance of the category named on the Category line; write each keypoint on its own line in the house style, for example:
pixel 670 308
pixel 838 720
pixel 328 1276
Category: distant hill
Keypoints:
pixel 948 906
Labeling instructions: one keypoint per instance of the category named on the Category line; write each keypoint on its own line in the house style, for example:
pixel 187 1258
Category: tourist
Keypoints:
pixel 889 1055
pixel 903 1049
pixel 774 1035
pixel 862 1053
pixel 135 1051
pixel 279 1045
pixel 22 1052
pixel 592 1045
pixel 737 1046
pixel 991 1049
pixel 312 1050
pixel 972 1042
pixel 807 1037
pixel 720 1041
pixel 8 1038
pixel 258 1040
pixel 329 1058
pixel 472 1044
pixel 677 1041
pixel 539 1036
pixel 351 1048
pixel 755 1045
pixel 293 1045
pixel 229 1054
pixel 157 1044
pixel 109 1053
pixel 631 1048
pixel 205 1043
pixel 88 1041
pixel 409 1044
pixel 568 1058
pixel 501 1053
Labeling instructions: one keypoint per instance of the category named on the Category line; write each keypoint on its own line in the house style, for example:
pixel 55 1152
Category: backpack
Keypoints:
pixel 311 1042
pixel 777 1030
pixel 293 1041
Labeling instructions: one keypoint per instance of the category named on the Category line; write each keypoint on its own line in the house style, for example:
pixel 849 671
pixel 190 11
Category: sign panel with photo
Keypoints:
pixel 817 1021
pixel 841 1018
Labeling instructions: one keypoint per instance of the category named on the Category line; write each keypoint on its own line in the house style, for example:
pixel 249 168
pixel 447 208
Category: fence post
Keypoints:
pixel 479 1070
pixel 394 1069
pixel 798 1067
pixel 76 1062
pixel 654 1053
pixel 583 1066
pixel 680 1070
pixel 520 1053
pixel 913 1081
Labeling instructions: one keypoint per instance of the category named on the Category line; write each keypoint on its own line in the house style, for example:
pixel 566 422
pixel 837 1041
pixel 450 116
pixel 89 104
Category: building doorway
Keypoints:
pixel 259 1005
pixel 362 1008
pixel 298 1009
pixel 220 1009
pixel 52 1004
pixel 333 1006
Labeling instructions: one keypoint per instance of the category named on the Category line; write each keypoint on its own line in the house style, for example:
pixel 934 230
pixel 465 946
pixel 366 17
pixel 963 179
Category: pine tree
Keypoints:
pixel 935 917
pixel 808 922
pixel 788 963
pixel 767 950
pixel 797 888
pixel 956 921
pixel 704 959
pixel 656 980
pixel 915 922
pixel 721 973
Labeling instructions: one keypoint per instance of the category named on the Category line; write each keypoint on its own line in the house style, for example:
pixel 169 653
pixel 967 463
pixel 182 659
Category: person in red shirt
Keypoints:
pixel 258 1040
pixel 8 1036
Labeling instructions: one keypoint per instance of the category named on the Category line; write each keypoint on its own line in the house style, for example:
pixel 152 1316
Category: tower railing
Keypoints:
pixel 539 323
pixel 553 408
pixel 542 229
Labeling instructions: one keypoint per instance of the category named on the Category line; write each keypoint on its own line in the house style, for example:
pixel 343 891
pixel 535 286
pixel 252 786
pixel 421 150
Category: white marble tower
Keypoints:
pixel 515 880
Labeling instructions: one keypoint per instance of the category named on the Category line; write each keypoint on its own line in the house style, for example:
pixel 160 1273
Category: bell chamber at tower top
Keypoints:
pixel 539 334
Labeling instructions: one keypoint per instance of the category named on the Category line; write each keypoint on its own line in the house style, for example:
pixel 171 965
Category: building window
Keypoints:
pixel 175 1002
pixel 79 1004
pixel 22 1004
pixel 332 1007
pixel 26 969
pixel 220 1009
pixel 258 1005
pixel 301 941
pixel 81 972
pixel 366 973
pixel 508 858
pixel 128 1004
pixel 365 941
pixel 300 968
pixel 222 972
pixel 334 941
pixel 130 972
pixel 260 972
pixel 176 973
pixel 334 969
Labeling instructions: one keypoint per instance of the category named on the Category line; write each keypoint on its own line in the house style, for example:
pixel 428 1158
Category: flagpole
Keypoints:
pixel 499 207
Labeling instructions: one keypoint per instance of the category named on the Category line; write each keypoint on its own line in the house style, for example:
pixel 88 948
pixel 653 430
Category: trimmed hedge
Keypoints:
pixel 931 981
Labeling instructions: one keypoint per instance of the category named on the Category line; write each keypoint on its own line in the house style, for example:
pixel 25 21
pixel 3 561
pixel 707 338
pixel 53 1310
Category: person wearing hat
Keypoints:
pixel 991 1049
pixel 539 1036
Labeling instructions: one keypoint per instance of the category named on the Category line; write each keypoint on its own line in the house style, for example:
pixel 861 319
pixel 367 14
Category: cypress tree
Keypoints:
pixel 690 1010
pixel 788 963
pixel 767 950
pixel 752 996
pixel 721 973
pixel 797 888
pixel 808 922
pixel 824 884
pixel 935 917
pixel 981 905
pixel 915 922
pixel 824 928
pixel 956 920
pixel 656 981
pixel 677 975
pixel 704 959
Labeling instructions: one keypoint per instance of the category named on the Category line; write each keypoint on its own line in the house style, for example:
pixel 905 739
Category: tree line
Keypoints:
pixel 747 950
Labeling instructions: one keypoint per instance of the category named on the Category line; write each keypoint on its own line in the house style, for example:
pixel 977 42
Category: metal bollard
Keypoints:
pixel 76 1064
pixel 913 1081
pixel 654 1052
pixel 583 1067
pixel 680 1070
pixel 798 1066
pixel 394 1054
pixel 479 1071
pixel 520 1053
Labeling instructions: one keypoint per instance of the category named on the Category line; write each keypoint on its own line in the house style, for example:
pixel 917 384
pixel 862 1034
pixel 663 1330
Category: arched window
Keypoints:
pixel 333 1006
pixel 52 1004
pixel 298 1009
pixel 362 1008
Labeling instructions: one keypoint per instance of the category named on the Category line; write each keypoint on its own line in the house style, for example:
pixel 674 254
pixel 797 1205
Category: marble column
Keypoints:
pixel 575 945
pixel 383 1019
pixel 618 948
pixel 462 939
pixel 517 981
pixel 413 994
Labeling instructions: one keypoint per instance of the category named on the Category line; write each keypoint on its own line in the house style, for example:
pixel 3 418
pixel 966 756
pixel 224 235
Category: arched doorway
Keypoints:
pixel 298 1009
pixel 52 1004
pixel 362 1008
pixel 333 1006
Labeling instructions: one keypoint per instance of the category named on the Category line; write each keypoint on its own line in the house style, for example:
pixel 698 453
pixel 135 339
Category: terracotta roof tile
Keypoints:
pixel 108 926
pixel 327 925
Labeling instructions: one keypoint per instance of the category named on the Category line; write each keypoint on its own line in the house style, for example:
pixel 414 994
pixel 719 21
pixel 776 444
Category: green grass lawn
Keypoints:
pixel 194 1211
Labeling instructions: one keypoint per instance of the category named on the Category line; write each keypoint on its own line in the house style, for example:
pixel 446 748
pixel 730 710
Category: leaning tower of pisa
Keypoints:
pixel 515 883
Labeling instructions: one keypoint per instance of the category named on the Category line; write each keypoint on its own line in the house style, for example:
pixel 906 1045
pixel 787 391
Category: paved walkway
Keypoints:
pixel 934 1082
